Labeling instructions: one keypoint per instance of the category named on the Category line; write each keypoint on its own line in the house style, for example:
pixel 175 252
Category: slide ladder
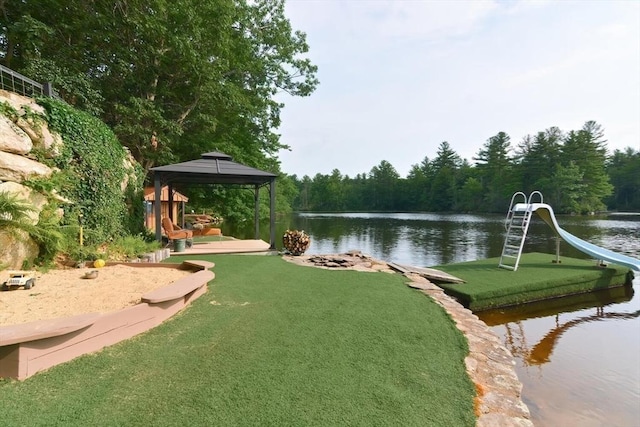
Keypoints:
pixel 517 225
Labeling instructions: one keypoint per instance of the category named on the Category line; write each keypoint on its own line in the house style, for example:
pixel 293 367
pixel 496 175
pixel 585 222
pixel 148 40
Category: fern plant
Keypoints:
pixel 14 213
pixel 14 217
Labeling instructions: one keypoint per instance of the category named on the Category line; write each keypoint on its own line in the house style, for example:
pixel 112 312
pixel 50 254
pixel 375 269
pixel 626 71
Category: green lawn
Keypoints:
pixel 271 344
pixel 537 278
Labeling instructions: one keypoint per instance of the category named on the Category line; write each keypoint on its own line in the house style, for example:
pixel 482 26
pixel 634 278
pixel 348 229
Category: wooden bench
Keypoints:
pixel 179 288
pixel 28 348
pixel 41 329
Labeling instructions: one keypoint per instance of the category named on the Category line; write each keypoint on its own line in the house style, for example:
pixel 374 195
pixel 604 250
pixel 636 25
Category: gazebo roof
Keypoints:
pixel 213 168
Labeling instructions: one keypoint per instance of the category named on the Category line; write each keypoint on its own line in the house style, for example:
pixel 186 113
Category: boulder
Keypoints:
pixel 19 102
pixel 12 138
pixel 16 248
pixel 16 168
pixel 40 136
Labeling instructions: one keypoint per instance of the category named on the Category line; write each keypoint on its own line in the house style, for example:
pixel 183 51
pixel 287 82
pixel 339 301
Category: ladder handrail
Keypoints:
pixel 524 196
pixel 529 200
pixel 510 211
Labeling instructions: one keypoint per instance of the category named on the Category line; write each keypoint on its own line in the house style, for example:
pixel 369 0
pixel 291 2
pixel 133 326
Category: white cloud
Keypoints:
pixel 399 77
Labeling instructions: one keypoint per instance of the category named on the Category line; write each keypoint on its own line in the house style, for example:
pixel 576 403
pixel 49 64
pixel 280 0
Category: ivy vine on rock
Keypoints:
pixel 93 164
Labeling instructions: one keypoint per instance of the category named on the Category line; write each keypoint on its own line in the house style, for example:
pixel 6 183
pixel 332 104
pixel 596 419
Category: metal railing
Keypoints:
pixel 15 82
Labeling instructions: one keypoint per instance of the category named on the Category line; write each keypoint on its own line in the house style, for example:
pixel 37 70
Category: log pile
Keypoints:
pixel 296 242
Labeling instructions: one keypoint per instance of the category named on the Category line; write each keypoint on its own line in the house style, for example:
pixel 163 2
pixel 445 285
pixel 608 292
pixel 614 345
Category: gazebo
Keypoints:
pixel 216 168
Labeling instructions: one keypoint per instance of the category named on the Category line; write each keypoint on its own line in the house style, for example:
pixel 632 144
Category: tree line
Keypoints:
pixel 175 79
pixel 573 170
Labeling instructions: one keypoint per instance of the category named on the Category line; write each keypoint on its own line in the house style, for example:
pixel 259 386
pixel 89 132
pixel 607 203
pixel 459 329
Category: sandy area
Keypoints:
pixel 61 293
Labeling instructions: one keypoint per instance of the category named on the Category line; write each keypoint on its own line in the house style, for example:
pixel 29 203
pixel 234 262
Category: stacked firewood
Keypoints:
pixel 296 242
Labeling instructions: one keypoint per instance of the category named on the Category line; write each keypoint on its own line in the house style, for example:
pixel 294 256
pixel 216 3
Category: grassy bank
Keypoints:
pixel 271 343
pixel 537 278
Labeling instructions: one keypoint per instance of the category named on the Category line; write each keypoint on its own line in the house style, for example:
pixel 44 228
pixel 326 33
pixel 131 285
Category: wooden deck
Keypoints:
pixel 225 247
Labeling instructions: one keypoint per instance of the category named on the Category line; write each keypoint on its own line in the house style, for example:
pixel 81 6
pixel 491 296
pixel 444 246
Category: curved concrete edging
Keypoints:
pixel 29 348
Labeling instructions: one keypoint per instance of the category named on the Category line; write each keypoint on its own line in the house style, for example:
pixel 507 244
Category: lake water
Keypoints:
pixel 577 357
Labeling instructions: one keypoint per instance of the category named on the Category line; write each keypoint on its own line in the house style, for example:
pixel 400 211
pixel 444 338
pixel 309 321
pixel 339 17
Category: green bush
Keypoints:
pixel 130 247
pixel 47 235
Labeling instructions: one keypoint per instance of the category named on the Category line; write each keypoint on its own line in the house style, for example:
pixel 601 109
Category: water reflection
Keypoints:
pixel 415 238
pixel 578 357
pixel 426 239
pixel 513 320
pixel 541 352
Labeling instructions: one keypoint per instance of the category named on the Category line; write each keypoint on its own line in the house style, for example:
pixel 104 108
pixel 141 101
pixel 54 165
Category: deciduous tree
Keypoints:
pixel 173 78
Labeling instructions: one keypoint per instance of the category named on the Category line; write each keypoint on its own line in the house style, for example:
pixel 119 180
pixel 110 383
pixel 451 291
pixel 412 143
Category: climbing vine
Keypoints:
pixel 93 168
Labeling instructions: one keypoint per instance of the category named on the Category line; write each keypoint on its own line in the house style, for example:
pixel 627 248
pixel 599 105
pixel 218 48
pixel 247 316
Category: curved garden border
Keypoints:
pixel 29 348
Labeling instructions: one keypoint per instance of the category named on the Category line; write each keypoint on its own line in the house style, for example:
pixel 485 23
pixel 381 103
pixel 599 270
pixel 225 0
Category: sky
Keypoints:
pixel 399 77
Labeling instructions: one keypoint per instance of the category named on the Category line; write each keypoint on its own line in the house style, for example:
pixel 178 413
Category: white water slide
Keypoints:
pixel 518 219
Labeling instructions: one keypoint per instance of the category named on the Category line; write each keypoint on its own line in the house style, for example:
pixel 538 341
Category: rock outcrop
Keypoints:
pixel 16 168
pixel 40 136
pixel 14 139
pixel 20 134
pixel 16 248
pixel 27 146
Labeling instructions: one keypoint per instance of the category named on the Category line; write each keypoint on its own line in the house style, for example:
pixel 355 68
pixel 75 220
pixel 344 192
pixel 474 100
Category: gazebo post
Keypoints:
pixel 182 206
pixel 256 217
pixel 157 187
pixel 272 214
pixel 170 203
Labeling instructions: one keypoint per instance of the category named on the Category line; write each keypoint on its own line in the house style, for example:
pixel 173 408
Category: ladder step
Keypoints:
pixel 516 224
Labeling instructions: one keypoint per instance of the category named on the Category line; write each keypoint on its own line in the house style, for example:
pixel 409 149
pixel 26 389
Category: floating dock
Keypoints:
pixel 537 278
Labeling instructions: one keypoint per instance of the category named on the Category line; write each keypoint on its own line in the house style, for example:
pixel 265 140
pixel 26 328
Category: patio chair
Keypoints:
pixel 174 232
